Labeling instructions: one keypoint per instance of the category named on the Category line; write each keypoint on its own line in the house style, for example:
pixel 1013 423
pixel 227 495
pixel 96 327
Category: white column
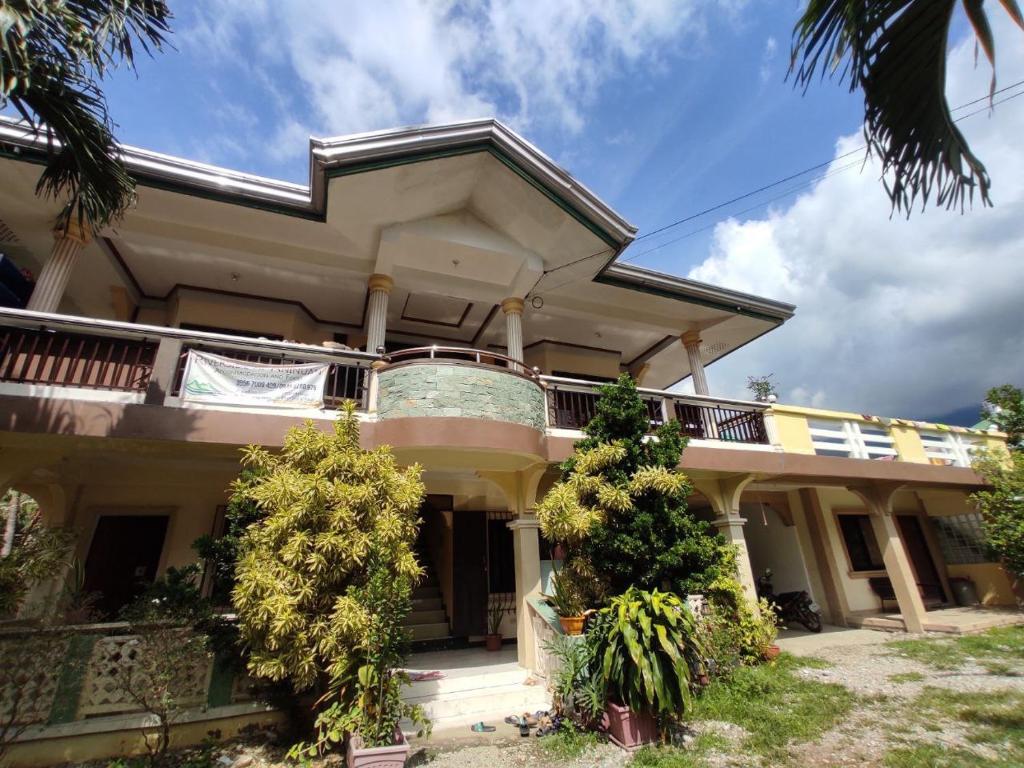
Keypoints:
pixel 377 311
pixel 513 309
pixel 691 341
pixel 56 274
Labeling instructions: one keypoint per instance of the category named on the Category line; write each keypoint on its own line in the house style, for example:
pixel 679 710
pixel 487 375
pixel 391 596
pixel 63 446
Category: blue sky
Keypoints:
pixel 663 108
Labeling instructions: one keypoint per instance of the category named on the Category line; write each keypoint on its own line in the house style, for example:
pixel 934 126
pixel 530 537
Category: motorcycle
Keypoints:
pixel 790 606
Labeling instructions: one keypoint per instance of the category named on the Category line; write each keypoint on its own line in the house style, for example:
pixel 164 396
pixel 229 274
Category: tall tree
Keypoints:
pixel 53 55
pixel 895 52
pixel 621 505
pixel 1004 407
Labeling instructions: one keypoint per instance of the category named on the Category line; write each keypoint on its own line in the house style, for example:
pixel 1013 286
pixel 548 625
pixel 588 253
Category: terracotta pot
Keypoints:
pixel 629 729
pixel 358 756
pixel 492 642
pixel 572 625
pixel 772 653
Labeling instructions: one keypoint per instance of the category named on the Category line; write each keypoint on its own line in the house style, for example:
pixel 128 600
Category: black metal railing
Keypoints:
pixel 574 406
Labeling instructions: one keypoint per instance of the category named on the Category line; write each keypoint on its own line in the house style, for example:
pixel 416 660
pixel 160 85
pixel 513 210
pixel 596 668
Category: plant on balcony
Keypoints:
pixel 762 388
pixel 620 508
pixel 324 580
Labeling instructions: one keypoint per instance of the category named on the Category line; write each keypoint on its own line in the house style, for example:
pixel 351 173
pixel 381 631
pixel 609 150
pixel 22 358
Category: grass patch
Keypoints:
pixel 906 677
pixel 991 649
pixel 569 743
pixel 775 705
pixel 934 756
pixel 993 719
pixel 693 756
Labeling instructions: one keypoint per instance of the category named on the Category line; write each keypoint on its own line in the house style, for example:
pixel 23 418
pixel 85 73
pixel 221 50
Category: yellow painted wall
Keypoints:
pixel 859 596
pixel 994 585
pixel 792 430
pixel 908 444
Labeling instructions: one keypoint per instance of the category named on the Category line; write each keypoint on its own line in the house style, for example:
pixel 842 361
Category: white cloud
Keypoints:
pixel 771 48
pixel 377 65
pixel 894 317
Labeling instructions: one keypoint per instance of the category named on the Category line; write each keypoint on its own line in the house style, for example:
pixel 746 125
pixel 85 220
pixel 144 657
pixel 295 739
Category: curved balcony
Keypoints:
pixel 459 383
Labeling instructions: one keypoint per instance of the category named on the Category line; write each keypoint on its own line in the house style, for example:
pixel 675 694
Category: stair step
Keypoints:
pixel 427 604
pixel 505 699
pixel 510 674
pixel 430 631
pixel 425 617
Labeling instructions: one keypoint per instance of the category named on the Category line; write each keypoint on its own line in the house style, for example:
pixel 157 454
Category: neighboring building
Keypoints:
pixel 423 243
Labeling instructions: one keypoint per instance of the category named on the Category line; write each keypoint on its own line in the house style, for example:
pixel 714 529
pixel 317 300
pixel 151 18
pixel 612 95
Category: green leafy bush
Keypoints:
pixel 646 644
pixel 577 685
pixel 324 578
pixel 733 632
pixel 1002 507
pixel 620 507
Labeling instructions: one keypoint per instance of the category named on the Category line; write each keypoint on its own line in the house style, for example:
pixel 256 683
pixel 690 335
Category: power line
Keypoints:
pixel 766 187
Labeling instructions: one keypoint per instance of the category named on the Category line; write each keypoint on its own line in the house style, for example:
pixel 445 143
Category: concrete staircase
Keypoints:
pixel 477 685
pixel 428 619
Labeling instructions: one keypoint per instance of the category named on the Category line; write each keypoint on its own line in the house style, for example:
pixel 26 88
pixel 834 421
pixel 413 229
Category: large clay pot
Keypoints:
pixel 629 729
pixel 492 642
pixel 572 625
pixel 394 756
pixel 772 652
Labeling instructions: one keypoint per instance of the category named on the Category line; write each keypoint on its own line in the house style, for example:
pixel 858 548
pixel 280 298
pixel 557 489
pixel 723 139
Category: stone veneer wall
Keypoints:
pixel 446 389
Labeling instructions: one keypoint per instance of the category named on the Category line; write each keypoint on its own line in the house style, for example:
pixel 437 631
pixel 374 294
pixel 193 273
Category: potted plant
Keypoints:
pixel 495 613
pixel 647 643
pixel 567 602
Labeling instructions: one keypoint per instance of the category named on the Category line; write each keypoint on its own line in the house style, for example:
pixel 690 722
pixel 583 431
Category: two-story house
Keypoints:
pixel 468 294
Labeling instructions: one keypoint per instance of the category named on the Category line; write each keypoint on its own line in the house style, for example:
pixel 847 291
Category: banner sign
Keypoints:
pixel 215 379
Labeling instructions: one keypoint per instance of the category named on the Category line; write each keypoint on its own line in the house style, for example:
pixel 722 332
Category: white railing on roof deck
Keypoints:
pixel 851 439
pixel 950 448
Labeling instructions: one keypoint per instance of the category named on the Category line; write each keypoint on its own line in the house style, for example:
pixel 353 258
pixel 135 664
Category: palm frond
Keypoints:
pixel 51 56
pixel 895 51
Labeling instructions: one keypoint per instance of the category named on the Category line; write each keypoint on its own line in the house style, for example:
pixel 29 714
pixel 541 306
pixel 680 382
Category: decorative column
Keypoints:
pixel 526 547
pixel 513 309
pixel 377 311
pixel 878 499
pixel 724 494
pixel 53 280
pixel 691 341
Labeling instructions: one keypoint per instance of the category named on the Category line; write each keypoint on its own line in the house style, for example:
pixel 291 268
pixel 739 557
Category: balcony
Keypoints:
pixel 572 403
pixel 458 382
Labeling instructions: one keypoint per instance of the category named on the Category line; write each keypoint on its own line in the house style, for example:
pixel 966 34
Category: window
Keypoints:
pixel 501 562
pixel 861 546
pixel 961 539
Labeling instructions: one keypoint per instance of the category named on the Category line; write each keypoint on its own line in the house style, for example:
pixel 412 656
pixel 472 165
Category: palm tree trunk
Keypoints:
pixel 11 528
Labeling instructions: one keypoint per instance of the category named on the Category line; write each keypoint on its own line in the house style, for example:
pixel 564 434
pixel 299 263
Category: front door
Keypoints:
pixel 469 573
pixel 123 559
pixel 921 561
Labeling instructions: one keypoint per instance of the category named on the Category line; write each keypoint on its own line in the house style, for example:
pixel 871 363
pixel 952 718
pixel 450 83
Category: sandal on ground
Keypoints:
pixel 481 727
pixel 512 719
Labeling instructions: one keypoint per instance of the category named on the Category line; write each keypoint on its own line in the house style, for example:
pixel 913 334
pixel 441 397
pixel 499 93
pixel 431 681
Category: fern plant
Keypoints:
pixel 647 643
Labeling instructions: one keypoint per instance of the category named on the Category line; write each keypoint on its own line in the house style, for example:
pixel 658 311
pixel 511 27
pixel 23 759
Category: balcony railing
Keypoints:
pixel 572 403
pixel 64 351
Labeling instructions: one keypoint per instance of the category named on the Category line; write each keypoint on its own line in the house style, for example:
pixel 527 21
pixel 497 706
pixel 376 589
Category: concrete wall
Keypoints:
pixel 445 389
pixel 774 545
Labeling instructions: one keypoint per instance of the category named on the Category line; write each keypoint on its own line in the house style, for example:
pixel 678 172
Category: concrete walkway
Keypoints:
pixel 802 643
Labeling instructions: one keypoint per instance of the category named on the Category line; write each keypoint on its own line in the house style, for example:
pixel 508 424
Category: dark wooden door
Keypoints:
pixel 921 561
pixel 123 558
pixel 469 573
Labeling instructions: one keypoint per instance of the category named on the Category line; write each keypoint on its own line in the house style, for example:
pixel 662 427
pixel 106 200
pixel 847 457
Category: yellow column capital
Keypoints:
pixel 512 305
pixel 72 229
pixel 690 338
pixel 382 283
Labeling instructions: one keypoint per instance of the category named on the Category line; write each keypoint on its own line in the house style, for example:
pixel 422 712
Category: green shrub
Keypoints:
pixel 324 578
pixel 646 644
pixel 733 632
